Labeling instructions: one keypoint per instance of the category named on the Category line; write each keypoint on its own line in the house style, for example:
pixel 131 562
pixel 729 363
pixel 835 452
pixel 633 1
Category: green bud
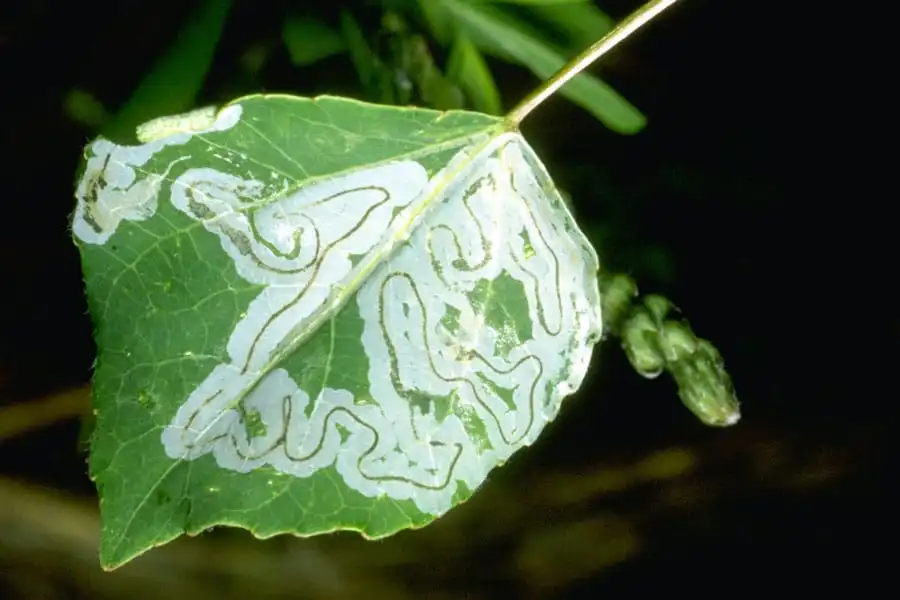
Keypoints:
pixel 654 343
pixel 640 340
pixel 678 340
pixel 705 388
pixel 619 291
pixel 658 306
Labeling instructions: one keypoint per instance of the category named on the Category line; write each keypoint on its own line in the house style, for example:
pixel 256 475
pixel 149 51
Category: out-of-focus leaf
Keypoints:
pixel 435 89
pixel 371 72
pixel 254 58
pixel 439 20
pixel 309 40
pixel 360 52
pixel 582 23
pixel 82 107
pixel 173 83
pixel 506 37
pixel 469 70
pixel 397 59
pixel 539 2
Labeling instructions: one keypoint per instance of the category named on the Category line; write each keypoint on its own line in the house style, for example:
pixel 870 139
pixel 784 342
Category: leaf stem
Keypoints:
pixel 625 28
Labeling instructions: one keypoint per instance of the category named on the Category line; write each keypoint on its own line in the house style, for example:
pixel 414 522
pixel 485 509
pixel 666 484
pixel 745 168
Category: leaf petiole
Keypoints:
pixel 629 25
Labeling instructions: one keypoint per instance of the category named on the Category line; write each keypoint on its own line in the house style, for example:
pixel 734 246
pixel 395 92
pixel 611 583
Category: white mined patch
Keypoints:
pixel 305 248
pixel 474 238
pixel 111 188
pixel 426 332
pixel 299 246
pixel 202 120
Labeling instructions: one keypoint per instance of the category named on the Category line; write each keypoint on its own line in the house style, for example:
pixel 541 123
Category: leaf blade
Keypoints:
pixel 208 252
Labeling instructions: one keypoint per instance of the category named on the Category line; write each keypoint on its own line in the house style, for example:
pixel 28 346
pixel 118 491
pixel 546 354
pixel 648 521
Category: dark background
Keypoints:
pixel 706 209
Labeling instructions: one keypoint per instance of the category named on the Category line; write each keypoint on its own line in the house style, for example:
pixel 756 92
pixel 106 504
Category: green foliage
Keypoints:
pixel 308 40
pixel 433 53
pixel 503 35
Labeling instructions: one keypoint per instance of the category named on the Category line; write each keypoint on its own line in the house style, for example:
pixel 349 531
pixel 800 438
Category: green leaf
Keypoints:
pixel 173 84
pixel 553 3
pixel 321 314
pixel 468 68
pixel 500 34
pixel 82 107
pixel 435 89
pixel 309 40
pixel 439 20
pixel 360 52
pixel 372 74
pixel 417 78
pixel 581 22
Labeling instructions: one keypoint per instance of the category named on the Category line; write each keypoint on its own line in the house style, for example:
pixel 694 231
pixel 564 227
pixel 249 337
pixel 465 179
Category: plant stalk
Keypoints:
pixel 625 28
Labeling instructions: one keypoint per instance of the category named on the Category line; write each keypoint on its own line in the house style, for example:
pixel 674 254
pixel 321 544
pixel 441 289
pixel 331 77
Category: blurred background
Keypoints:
pixel 626 491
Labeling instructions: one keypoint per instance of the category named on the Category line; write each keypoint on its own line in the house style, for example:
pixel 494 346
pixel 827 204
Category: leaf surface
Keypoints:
pixel 321 314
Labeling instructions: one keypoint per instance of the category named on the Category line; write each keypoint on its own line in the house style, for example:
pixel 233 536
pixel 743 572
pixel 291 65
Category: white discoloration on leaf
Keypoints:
pixel 202 120
pixel 114 188
pixel 299 247
pixel 328 339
